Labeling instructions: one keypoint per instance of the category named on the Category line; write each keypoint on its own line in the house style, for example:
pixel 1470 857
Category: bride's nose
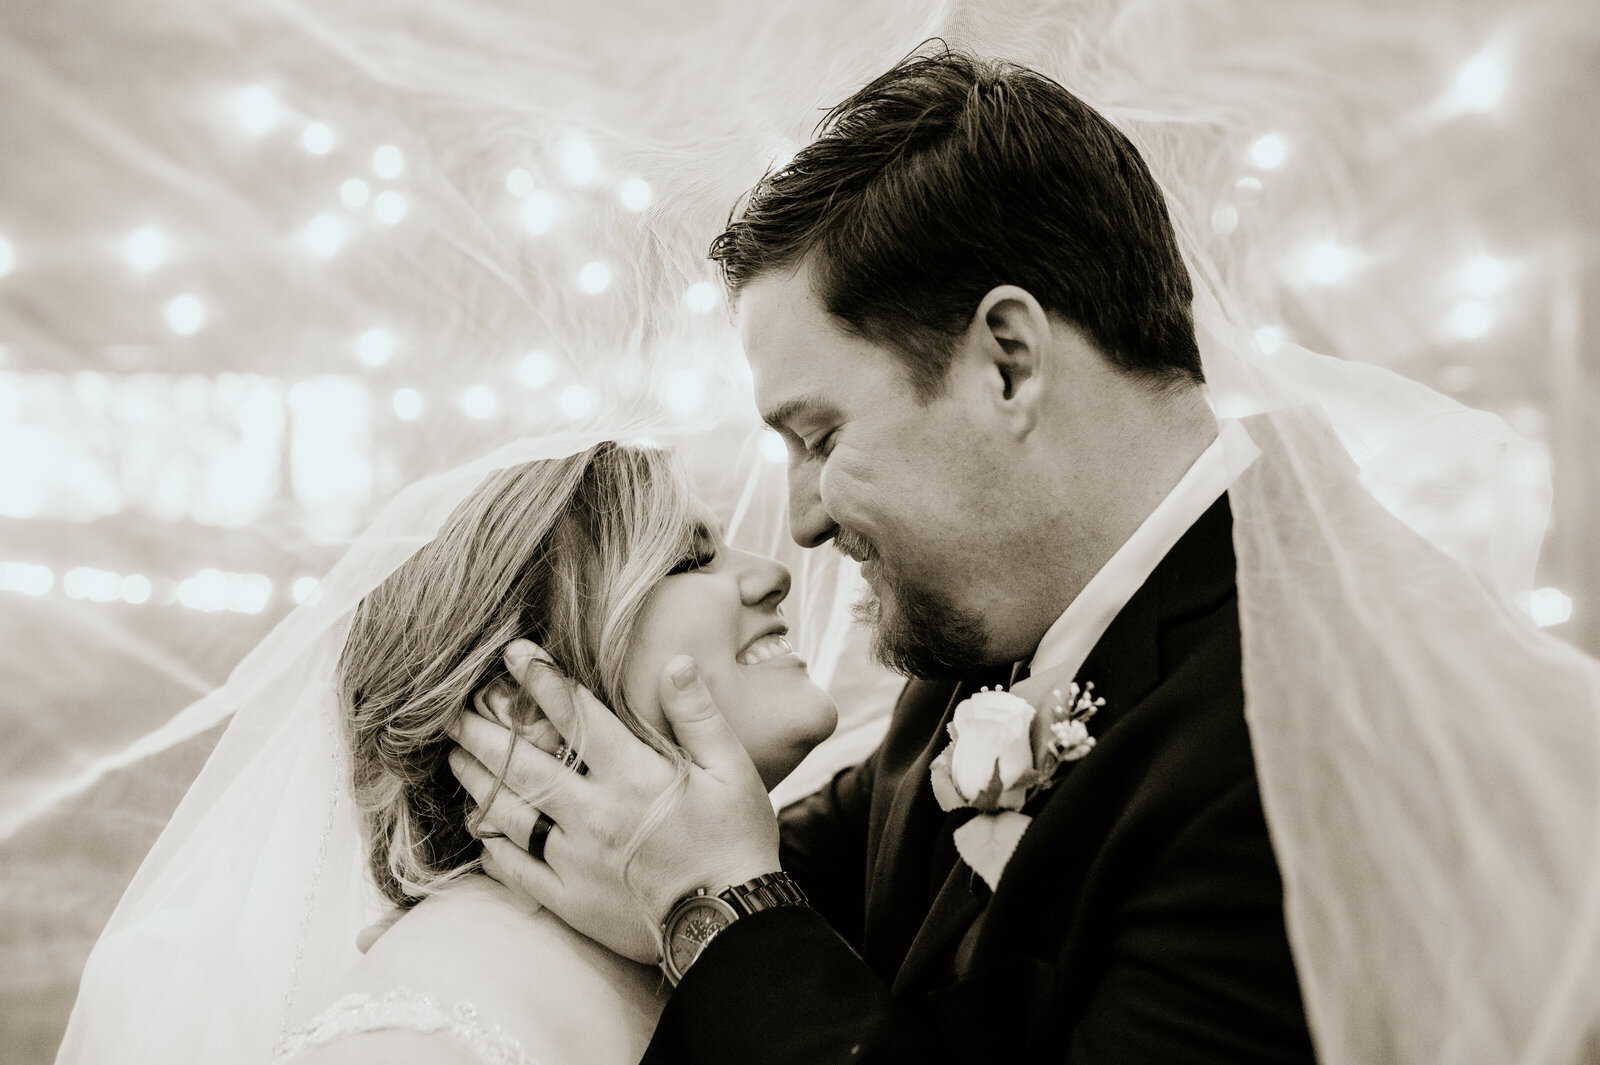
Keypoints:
pixel 763 581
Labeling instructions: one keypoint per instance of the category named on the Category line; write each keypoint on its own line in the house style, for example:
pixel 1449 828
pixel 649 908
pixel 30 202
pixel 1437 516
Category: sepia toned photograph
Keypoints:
pixel 799 531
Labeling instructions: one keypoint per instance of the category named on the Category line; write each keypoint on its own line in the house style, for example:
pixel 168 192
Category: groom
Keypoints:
pixel 966 315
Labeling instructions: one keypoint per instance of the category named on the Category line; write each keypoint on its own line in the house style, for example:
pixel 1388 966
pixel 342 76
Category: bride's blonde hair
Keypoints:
pixel 562 552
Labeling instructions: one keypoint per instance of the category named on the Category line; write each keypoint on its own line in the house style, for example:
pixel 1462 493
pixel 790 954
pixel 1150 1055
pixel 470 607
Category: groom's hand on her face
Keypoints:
pixel 720 830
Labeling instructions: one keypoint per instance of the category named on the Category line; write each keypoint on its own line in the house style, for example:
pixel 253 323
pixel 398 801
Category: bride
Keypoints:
pixel 605 559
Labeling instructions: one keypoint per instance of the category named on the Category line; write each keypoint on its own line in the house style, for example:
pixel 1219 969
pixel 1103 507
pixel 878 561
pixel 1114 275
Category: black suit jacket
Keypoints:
pixel 1139 920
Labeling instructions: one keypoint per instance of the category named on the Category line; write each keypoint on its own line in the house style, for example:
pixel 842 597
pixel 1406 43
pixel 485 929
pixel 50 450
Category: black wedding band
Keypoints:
pixel 540 834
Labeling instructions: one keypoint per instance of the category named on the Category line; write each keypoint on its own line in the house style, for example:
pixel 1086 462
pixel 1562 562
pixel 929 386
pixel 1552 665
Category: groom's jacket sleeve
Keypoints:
pixel 824 847
pixel 1190 955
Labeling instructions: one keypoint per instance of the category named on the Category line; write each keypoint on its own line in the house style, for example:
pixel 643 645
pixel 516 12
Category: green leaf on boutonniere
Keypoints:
pixel 987 842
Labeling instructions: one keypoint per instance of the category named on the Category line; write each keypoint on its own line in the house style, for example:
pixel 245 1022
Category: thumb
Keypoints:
pixel 697 724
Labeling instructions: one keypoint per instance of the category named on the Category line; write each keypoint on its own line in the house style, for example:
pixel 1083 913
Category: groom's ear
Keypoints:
pixel 1009 338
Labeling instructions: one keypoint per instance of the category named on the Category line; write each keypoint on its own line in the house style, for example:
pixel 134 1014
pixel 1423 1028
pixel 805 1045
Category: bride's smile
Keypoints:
pixel 723 607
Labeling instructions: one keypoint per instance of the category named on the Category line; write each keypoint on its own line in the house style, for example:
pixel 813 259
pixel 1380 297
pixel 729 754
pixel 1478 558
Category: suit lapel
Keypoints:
pixel 908 861
pixel 1125 666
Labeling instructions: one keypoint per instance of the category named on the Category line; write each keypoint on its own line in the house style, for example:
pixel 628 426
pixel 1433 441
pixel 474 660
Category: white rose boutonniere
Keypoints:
pixel 1001 754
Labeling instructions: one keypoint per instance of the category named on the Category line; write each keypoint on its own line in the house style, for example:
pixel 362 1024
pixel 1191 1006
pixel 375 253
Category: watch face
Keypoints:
pixel 693 924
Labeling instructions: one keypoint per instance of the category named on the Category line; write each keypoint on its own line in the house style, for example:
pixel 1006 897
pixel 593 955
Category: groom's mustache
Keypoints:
pixel 848 543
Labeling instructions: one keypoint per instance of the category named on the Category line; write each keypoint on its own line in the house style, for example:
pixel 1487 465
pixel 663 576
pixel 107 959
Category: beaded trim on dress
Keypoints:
pixel 409 1011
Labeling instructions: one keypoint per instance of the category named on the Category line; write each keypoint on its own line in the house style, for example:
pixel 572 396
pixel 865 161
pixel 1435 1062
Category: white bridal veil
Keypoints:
pixel 1429 761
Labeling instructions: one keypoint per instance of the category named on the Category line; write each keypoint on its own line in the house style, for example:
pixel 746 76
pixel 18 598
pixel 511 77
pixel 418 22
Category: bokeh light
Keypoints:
pixel 702 297
pixel 575 401
pixel 376 346
pixel 317 139
pixel 519 183
pixel 408 404
pixel 479 401
pixel 594 278
pixel 1269 151
pixel 390 207
pixel 354 193
pixel 539 212
pixel 1480 83
pixel 580 164
pixel 536 369
pixel 325 234
pixel 257 109
pixel 388 163
pixel 185 314
pixel 146 248
pixel 635 194
pixel 1484 276
pixel 1471 319
pixel 8 256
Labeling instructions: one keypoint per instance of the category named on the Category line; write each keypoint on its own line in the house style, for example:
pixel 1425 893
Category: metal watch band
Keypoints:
pixel 764 892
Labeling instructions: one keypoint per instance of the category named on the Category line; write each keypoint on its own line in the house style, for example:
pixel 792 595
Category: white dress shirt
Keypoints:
pixel 1068 642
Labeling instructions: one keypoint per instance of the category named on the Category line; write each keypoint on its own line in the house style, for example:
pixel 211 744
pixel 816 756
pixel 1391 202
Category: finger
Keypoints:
pixel 586 722
pixel 518 870
pixel 497 701
pixel 531 775
pixel 506 812
pixel 697 724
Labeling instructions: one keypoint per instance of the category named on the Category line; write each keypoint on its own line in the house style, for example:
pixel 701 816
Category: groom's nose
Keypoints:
pixel 809 521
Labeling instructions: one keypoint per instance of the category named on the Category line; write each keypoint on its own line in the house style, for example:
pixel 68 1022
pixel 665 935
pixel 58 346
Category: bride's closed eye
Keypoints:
pixel 702 553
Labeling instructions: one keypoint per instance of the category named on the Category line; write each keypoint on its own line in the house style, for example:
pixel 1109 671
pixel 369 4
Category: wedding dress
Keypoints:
pixel 495 978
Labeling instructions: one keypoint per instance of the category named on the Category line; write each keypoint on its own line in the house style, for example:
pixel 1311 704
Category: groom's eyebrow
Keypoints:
pixel 781 415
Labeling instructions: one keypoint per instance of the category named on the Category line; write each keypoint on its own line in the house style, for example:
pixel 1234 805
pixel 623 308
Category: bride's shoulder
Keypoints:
pixel 476 963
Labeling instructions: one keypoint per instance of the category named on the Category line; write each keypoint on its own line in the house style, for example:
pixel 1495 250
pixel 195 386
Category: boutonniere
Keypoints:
pixel 1003 751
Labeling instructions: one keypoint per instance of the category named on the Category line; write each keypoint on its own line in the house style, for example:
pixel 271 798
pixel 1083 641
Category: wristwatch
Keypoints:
pixel 696 919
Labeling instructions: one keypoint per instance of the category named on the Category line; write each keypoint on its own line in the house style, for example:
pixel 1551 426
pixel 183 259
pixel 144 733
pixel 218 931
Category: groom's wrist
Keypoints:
pixel 699 917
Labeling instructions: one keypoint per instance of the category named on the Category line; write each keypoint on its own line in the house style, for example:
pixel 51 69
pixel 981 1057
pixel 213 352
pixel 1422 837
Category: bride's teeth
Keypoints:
pixel 765 648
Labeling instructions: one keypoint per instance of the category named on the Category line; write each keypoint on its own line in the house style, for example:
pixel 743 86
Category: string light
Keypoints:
pixel 136 589
pixel 519 183
pixel 95 585
pixel 702 297
pixel 479 401
pixel 773 449
pixel 1269 151
pixel 408 404
pixel 146 248
pixel 8 257
pixel 26 577
pixel 390 207
pixel 1224 219
pixel 325 235
pixel 635 194
pixel 1480 83
pixel 375 347
pixel 1471 319
pixel 317 139
pixel 536 369
pixel 1247 190
pixel 1327 263
pixel 388 163
pixel 1547 606
pixel 213 590
pixel 575 401
pixel 539 212
pixel 185 315
pixel 354 193
pixel 594 278
pixel 685 391
pixel 303 588
pixel 257 110
pixel 1484 276
pixel 579 163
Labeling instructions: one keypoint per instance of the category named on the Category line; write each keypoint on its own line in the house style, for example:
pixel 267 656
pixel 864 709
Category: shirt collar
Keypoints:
pixel 1068 642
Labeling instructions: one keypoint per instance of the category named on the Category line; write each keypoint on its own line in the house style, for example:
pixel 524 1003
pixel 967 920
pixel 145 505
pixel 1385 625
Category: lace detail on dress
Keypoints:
pixel 410 1011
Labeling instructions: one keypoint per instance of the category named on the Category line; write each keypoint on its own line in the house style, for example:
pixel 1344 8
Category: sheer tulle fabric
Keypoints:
pixel 1428 759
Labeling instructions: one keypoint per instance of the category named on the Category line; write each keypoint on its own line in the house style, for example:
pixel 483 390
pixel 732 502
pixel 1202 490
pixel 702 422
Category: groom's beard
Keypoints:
pixel 921 633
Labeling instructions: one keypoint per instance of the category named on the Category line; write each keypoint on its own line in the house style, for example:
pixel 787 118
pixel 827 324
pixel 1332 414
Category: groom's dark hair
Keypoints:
pixel 950 175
